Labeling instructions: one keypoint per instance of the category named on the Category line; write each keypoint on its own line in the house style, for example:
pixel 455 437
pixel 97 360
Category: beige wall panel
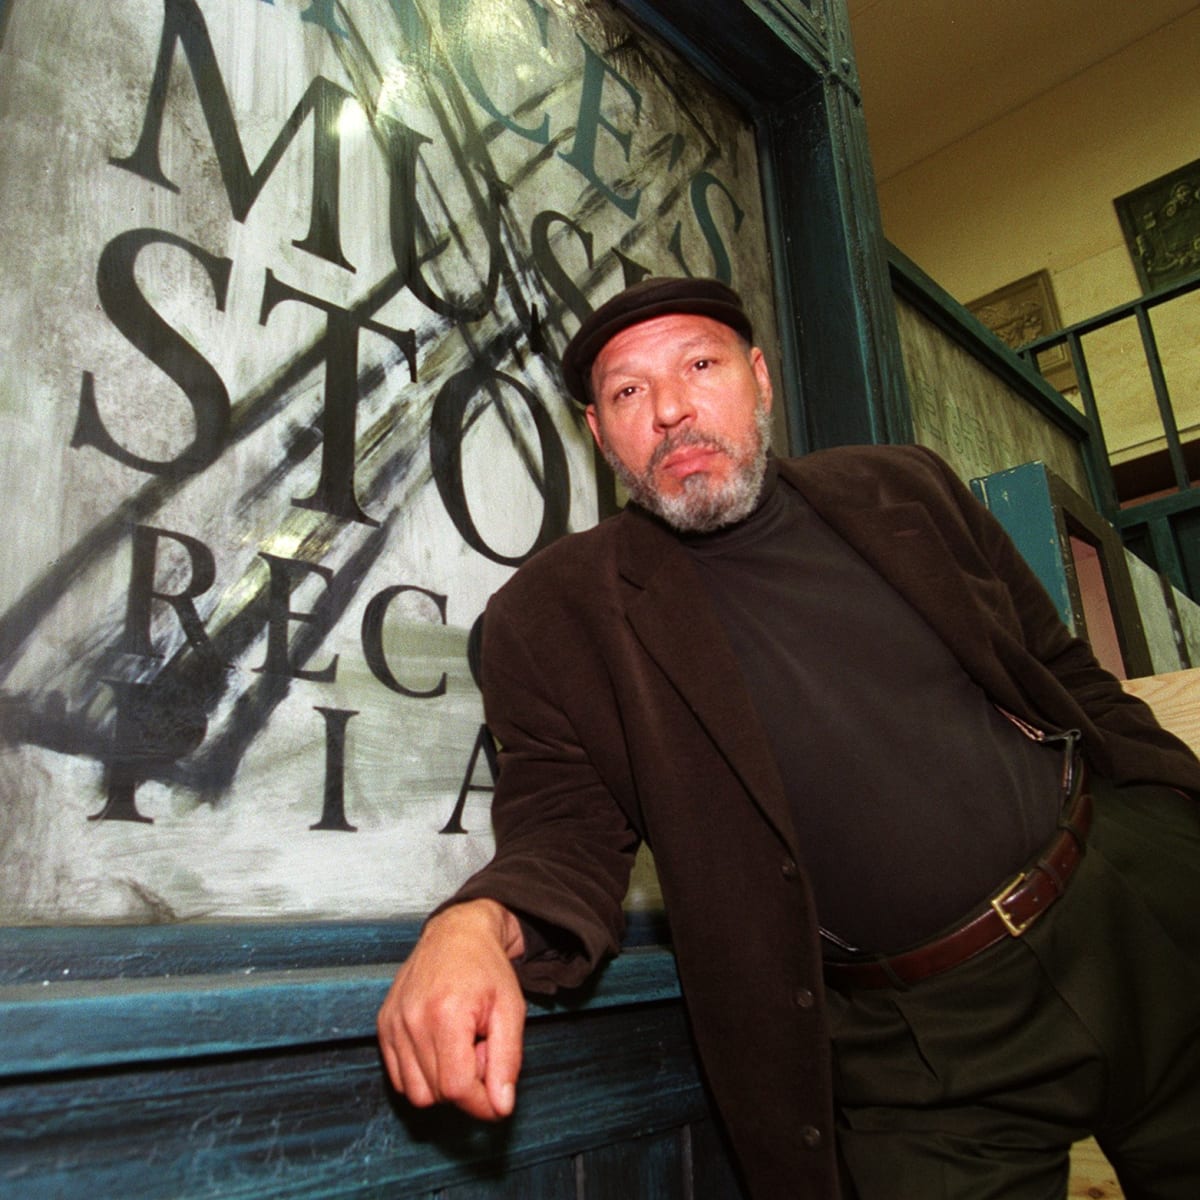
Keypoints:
pixel 973 419
pixel 1156 619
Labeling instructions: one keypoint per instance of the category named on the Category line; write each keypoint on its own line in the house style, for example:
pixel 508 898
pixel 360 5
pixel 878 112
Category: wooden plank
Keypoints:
pixel 72 952
pixel 1175 699
pixel 639 1167
pixel 1091 1176
pixel 35 954
pixel 321 1121
pixel 59 1026
pixel 554 1180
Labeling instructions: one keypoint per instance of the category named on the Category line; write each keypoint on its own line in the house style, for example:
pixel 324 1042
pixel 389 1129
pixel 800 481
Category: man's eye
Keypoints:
pixel 702 364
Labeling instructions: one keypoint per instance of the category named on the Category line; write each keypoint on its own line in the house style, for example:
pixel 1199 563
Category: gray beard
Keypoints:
pixel 702 505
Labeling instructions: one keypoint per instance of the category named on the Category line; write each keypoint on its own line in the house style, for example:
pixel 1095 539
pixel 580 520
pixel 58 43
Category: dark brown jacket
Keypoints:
pixel 622 715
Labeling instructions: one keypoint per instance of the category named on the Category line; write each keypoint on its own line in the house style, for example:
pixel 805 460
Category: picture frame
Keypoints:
pixel 1161 224
pixel 1023 311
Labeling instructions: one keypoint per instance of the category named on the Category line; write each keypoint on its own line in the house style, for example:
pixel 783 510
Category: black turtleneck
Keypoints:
pixel 914 798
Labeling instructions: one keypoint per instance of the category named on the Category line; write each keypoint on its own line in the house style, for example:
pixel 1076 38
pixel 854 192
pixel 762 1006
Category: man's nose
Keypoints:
pixel 672 403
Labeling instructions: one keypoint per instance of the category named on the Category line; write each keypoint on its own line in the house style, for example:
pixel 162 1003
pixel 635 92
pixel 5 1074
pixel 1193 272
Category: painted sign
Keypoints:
pixel 286 285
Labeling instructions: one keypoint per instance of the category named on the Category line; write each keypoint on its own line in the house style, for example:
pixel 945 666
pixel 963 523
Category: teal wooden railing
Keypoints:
pixel 1164 531
pixel 250 1070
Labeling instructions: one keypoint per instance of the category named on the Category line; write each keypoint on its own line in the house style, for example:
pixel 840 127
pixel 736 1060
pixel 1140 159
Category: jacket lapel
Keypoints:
pixel 679 629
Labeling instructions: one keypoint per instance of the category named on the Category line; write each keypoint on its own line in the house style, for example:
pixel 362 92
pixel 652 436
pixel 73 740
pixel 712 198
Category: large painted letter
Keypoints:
pixel 454 18
pixel 335 489
pixel 333 810
pixel 702 184
pixel 485 742
pixel 403 148
pixel 552 271
pixel 284 572
pixel 142 591
pixel 591 120
pixel 445 451
pixel 183 22
pixel 157 724
pixel 372 640
pixel 133 315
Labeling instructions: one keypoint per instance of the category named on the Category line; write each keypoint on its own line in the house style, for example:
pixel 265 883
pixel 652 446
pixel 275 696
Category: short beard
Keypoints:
pixel 703 505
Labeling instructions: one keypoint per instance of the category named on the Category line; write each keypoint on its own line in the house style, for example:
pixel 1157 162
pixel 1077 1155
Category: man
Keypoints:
pixel 843 713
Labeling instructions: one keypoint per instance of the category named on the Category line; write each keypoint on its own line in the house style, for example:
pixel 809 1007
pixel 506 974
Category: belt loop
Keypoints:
pixel 1051 871
pixel 1073 802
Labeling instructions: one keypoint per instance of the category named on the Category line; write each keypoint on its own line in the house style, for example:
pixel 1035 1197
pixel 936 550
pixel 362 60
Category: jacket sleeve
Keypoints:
pixel 564 847
pixel 1108 707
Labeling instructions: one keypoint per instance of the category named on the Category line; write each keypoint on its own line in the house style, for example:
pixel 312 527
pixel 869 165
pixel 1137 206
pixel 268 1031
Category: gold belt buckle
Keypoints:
pixel 997 902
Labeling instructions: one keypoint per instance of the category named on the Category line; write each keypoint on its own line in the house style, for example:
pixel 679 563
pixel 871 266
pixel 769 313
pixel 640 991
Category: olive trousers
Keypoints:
pixel 972 1085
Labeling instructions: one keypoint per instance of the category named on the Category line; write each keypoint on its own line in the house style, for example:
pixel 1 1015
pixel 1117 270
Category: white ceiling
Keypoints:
pixel 934 71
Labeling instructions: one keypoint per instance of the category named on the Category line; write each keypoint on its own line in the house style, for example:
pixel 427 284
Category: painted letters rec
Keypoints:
pixel 160 721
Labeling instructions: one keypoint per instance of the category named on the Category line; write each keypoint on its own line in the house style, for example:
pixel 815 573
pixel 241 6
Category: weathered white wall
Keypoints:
pixel 551 149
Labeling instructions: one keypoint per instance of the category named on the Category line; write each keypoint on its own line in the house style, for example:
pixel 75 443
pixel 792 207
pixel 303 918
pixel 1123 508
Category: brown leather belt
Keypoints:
pixel 1008 914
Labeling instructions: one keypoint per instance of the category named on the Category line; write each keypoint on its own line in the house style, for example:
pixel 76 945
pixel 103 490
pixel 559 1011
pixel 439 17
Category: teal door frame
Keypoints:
pixel 790 66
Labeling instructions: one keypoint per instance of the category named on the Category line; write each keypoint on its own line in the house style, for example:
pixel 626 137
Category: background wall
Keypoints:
pixel 1001 139
pixel 286 287
pixel 974 419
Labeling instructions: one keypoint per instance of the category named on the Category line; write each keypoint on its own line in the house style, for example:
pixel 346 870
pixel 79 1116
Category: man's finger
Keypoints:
pixel 414 1085
pixel 391 1064
pixel 502 1063
pixel 453 1068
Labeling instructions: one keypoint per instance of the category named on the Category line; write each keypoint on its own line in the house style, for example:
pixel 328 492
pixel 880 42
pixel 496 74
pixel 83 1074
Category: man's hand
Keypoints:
pixel 451 1026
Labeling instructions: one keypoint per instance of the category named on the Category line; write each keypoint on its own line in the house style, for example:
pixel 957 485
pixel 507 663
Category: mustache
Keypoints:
pixel 687 437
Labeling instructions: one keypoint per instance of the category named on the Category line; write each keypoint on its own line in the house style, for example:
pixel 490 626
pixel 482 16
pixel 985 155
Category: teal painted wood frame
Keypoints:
pixel 791 68
pixel 269 1084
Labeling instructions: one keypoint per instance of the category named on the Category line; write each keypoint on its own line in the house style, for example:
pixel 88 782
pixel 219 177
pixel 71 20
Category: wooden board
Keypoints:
pixel 1091 1176
pixel 1175 699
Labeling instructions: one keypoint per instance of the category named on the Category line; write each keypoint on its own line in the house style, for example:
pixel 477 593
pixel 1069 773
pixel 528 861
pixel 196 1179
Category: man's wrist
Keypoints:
pixel 485 916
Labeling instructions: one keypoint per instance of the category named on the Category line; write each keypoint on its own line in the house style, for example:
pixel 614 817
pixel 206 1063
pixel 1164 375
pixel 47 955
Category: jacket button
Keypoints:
pixel 789 868
pixel 803 998
pixel 810 1137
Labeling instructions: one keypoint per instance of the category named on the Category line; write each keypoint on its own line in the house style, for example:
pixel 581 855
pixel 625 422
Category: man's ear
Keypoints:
pixel 762 376
pixel 593 421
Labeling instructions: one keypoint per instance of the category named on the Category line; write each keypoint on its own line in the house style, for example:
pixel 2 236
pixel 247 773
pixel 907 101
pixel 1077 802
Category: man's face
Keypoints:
pixel 681 412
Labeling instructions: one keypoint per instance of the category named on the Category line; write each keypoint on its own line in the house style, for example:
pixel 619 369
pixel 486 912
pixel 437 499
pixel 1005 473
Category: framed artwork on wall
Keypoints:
pixel 1023 311
pixel 1161 224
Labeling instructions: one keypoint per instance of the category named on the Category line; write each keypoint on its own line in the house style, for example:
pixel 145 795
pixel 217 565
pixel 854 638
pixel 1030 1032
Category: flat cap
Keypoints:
pixel 653 297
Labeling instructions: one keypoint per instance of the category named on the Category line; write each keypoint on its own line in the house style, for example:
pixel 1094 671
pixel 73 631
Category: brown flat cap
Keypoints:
pixel 653 297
